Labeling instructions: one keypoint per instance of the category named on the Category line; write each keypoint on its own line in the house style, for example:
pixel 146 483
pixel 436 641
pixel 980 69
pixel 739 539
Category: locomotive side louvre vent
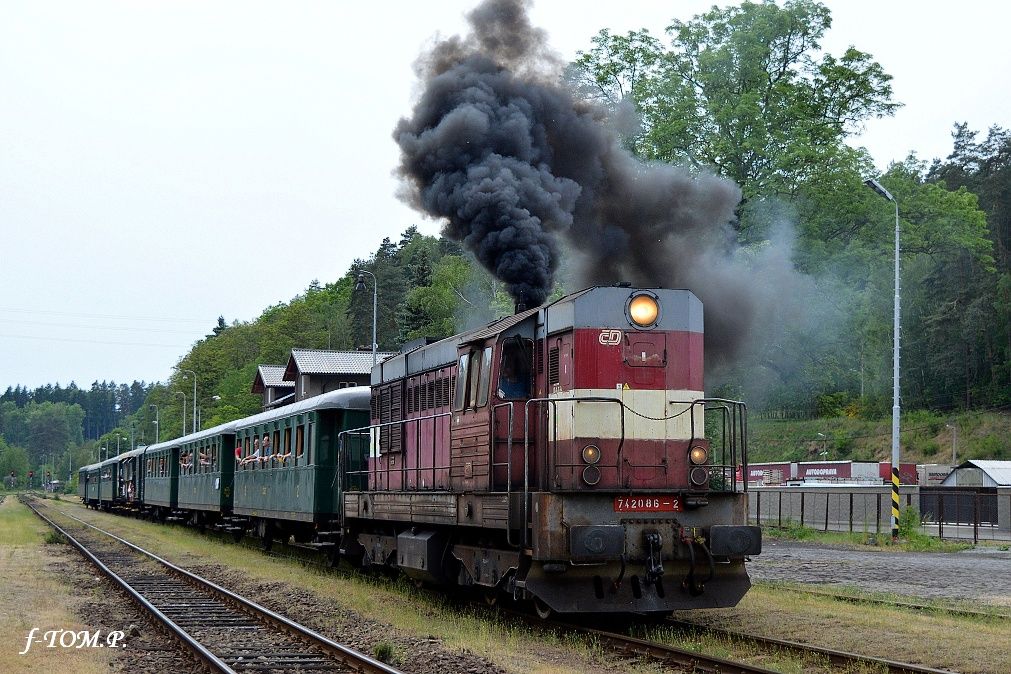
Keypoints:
pixel 390 401
pixel 539 356
pixel 553 366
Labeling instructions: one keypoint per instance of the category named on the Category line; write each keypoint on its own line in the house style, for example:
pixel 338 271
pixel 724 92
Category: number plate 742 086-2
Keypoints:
pixel 647 504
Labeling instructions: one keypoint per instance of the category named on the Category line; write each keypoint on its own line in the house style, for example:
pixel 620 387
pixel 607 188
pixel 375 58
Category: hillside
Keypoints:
pixel 926 438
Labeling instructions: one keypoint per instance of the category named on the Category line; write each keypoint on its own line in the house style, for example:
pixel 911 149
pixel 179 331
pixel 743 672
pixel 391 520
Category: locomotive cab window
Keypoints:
pixel 515 369
pixel 460 399
pixel 473 380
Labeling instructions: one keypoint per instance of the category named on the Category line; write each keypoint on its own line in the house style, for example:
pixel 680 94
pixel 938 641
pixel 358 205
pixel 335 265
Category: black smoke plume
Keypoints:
pixel 521 169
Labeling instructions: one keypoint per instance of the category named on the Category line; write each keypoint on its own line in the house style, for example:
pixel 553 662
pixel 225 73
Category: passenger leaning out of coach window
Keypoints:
pixel 254 456
pixel 265 445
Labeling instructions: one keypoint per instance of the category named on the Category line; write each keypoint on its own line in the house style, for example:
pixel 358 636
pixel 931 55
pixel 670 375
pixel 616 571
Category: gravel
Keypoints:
pixel 980 575
pixel 148 647
pixel 424 655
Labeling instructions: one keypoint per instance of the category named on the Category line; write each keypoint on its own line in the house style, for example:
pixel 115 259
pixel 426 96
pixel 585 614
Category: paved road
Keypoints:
pixel 983 574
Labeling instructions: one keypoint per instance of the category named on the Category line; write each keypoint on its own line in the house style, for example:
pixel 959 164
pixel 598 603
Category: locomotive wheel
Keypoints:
pixel 543 610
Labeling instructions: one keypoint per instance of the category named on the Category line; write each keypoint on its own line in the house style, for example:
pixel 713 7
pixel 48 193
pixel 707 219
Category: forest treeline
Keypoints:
pixel 744 91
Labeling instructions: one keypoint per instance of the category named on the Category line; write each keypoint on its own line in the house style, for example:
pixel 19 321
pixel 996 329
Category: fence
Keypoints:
pixel 949 513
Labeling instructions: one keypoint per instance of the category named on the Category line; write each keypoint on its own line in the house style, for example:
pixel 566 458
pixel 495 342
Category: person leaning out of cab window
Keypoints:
pixel 514 376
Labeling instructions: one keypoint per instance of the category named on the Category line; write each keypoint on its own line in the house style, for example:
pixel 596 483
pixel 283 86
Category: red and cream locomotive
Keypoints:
pixel 566 454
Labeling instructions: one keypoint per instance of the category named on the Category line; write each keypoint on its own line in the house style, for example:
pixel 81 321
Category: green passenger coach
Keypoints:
pixel 206 469
pixel 108 483
pixel 286 474
pixel 161 477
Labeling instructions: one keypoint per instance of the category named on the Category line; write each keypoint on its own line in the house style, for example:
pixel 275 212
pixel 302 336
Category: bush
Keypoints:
pixel 909 522
pixel 831 404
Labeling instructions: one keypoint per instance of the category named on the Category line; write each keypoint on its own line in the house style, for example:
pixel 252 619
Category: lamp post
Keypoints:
pixel 103 449
pixel 117 443
pixel 954 440
pixel 180 393
pixel 157 430
pixel 360 285
pixel 877 187
pixel 194 399
pixel 824 447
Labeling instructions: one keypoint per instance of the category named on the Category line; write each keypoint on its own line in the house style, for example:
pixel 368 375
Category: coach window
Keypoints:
pixel 312 446
pixel 277 449
pixel 299 444
pixel 287 446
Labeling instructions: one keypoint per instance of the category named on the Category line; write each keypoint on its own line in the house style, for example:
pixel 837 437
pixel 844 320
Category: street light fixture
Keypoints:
pixel 157 429
pixel 824 445
pixel 194 399
pixel 180 393
pixel 878 188
pixel 360 285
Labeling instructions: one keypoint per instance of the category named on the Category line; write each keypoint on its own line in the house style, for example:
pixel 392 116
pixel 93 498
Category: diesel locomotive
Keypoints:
pixel 565 455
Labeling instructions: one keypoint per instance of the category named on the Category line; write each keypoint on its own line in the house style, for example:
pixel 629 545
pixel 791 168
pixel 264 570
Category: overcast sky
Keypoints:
pixel 167 161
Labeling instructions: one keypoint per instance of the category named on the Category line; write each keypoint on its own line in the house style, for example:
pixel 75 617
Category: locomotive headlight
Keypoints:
pixel 591 454
pixel 698 455
pixel 591 475
pixel 644 310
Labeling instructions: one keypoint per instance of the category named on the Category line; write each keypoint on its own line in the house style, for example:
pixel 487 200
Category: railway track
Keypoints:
pixel 909 606
pixel 835 657
pixel 676 657
pixel 698 662
pixel 227 632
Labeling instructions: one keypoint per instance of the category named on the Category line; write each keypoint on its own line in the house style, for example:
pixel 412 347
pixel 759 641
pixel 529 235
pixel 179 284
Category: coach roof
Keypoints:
pixel 351 398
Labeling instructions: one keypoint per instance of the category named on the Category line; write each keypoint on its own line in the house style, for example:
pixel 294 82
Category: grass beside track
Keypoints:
pixel 960 644
pixel 34 594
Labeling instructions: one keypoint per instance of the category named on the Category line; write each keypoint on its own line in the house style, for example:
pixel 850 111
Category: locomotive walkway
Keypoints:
pixel 224 630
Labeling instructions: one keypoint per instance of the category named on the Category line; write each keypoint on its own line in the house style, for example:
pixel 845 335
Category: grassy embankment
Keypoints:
pixel 34 595
pixel 925 436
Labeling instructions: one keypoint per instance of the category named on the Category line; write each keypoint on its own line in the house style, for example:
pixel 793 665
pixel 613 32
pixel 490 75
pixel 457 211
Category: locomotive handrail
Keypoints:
pixel 509 458
pixel 734 411
pixel 554 442
pixel 369 430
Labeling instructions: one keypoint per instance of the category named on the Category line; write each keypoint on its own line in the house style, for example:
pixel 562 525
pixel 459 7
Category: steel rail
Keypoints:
pixel 951 610
pixel 701 662
pixel 836 657
pixel 198 649
pixel 349 657
pixel 695 661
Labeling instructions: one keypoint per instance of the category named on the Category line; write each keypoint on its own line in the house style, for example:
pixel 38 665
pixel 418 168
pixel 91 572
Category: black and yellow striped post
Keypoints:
pixel 895 502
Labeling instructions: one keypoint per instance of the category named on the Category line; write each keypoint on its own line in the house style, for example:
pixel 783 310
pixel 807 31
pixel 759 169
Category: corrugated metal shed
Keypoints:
pixel 980 473
pixel 320 361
